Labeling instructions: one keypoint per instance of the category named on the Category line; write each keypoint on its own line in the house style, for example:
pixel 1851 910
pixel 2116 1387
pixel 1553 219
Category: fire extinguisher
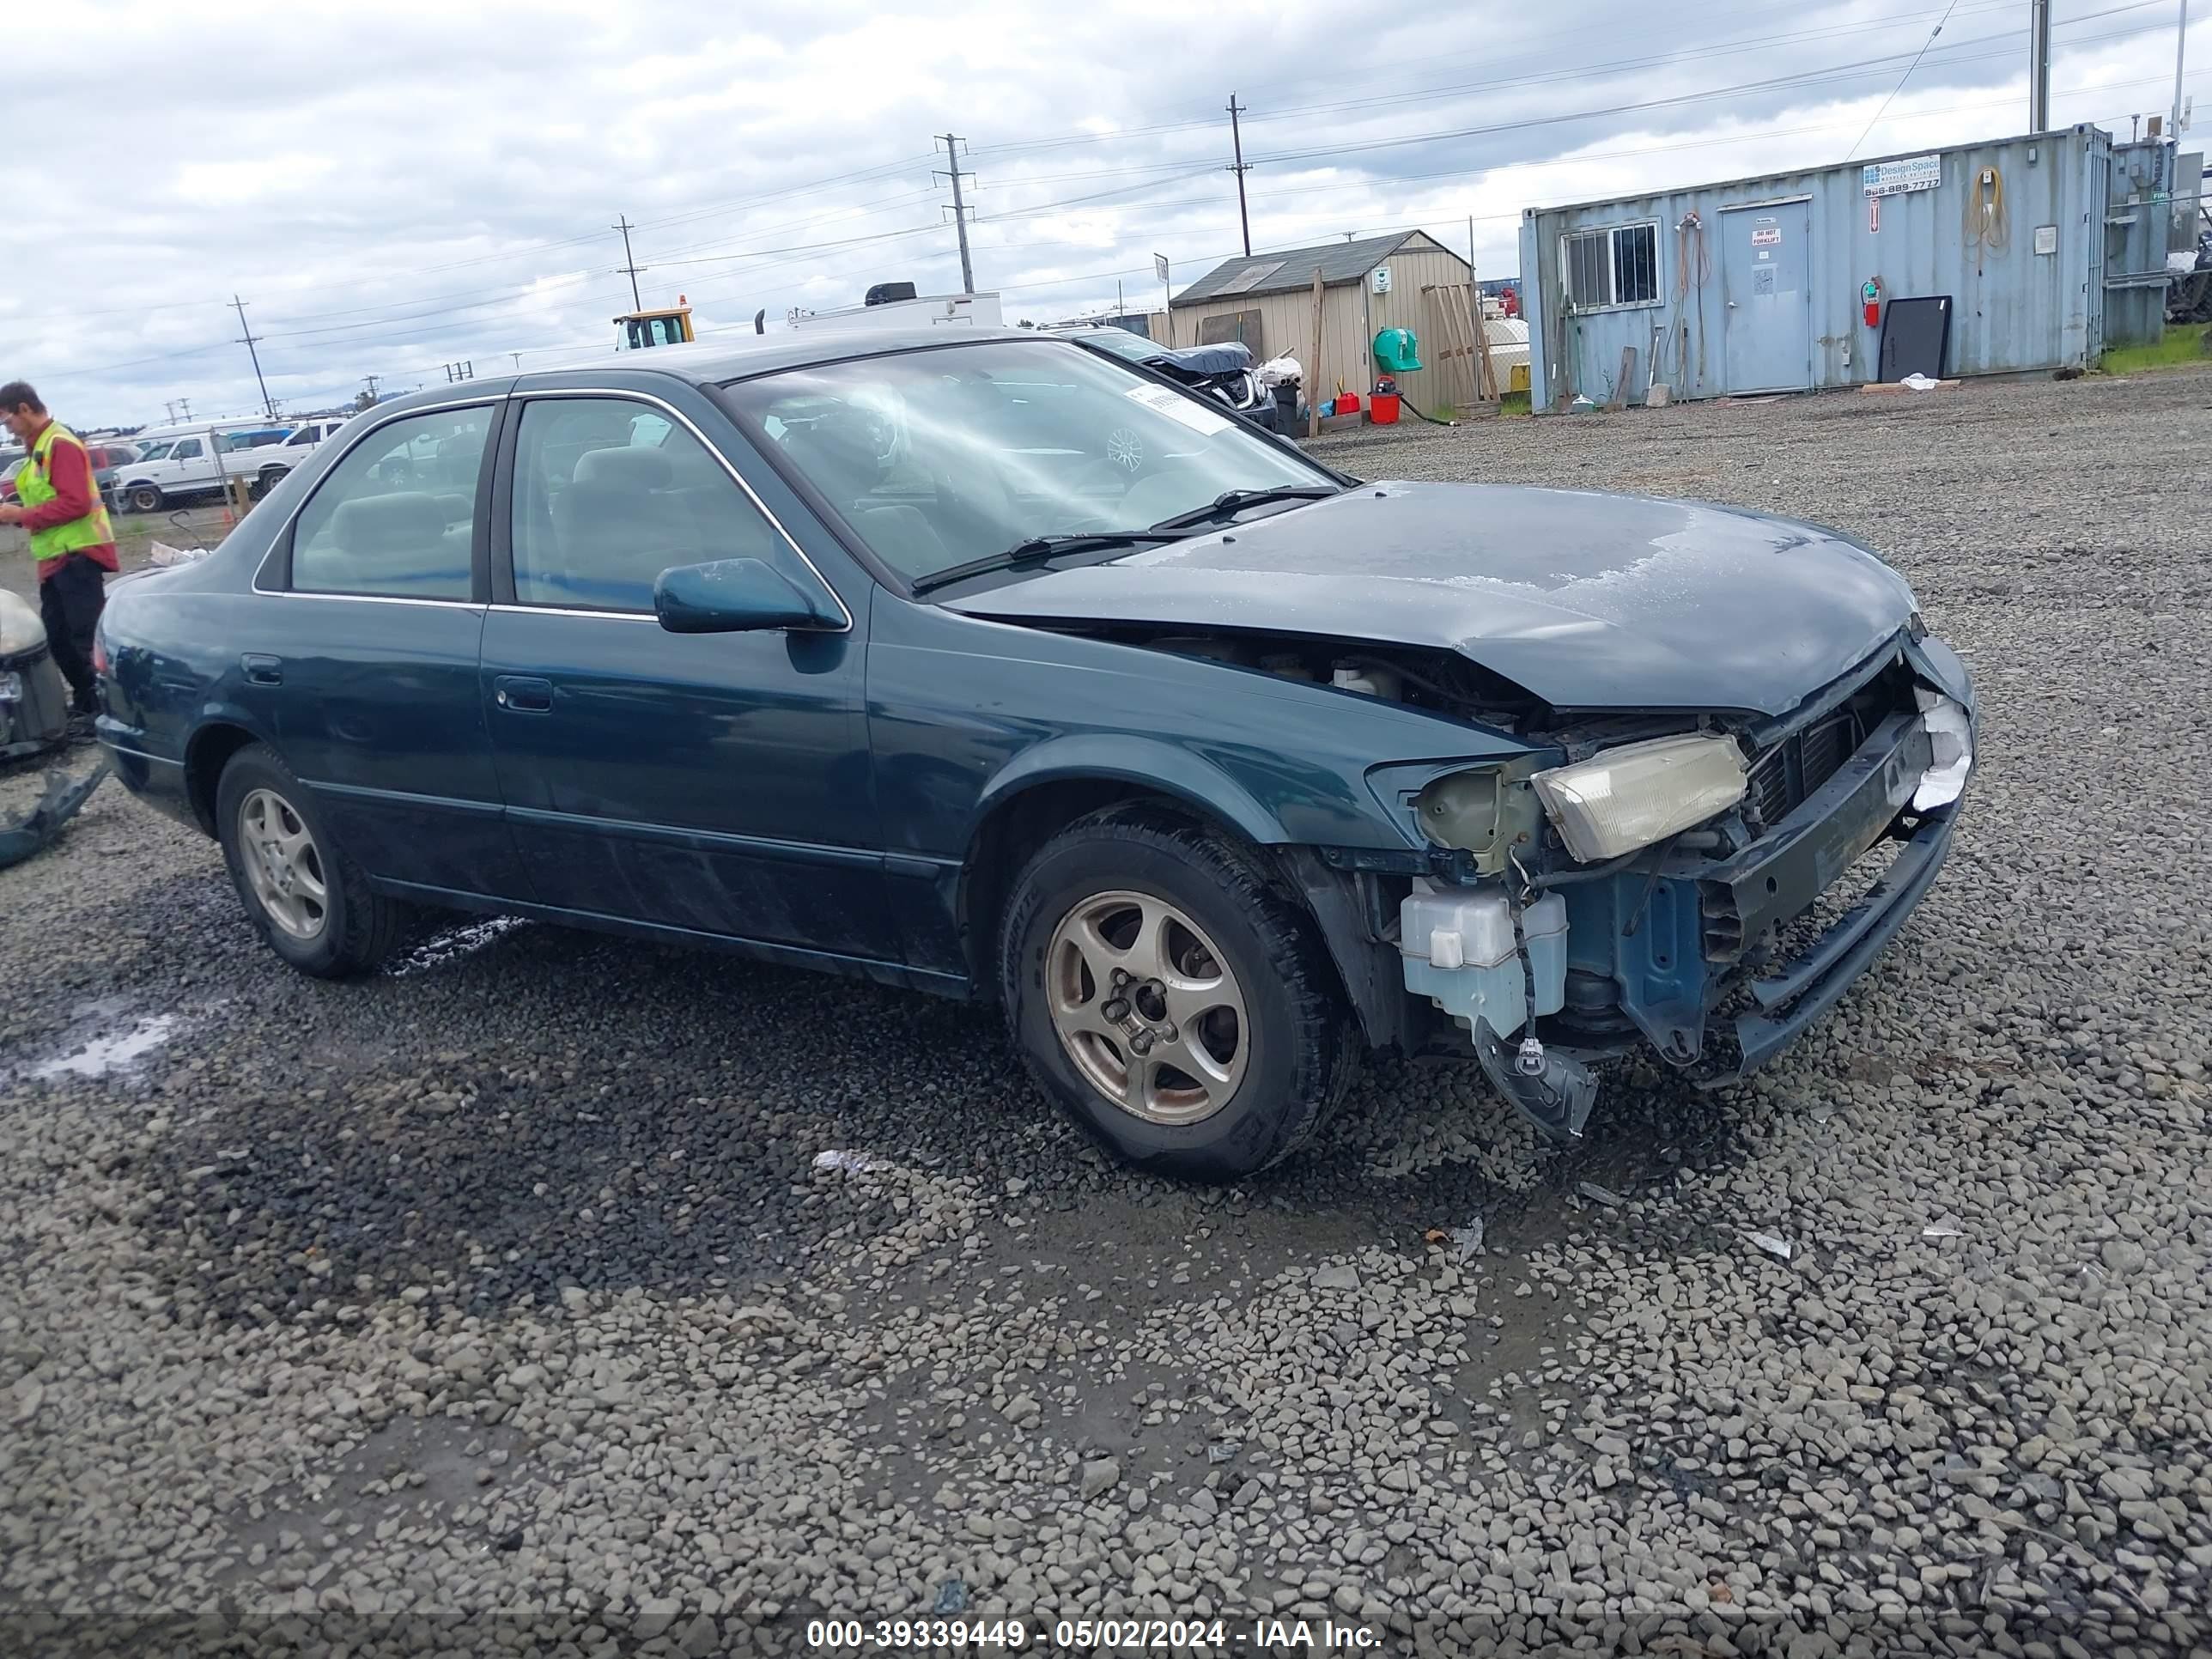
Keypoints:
pixel 1870 294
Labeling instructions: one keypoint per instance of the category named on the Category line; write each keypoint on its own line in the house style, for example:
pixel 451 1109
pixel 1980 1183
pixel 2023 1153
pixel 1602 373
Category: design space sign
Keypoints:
pixel 1897 178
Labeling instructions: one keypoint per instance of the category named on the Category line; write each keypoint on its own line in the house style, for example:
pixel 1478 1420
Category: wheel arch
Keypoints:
pixel 207 752
pixel 1055 784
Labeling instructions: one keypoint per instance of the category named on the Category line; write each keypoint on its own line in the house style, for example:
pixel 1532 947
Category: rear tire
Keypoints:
pixel 307 900
pixel 145 498
pixel 1239 965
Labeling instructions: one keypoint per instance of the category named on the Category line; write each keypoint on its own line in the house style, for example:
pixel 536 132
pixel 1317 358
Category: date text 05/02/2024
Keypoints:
pixel 1218 1635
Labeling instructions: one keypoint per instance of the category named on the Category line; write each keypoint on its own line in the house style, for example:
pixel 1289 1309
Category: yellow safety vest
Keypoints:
pixel 34 488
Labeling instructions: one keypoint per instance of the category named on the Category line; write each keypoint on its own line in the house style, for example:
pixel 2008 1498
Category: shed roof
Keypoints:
pixel 1286 271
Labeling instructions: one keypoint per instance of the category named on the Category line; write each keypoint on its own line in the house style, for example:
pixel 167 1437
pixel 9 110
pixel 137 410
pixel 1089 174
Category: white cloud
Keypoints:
pixel 396 185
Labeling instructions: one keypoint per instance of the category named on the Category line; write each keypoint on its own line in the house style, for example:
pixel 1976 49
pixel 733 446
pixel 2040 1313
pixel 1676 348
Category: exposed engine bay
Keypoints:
pixel 1442 682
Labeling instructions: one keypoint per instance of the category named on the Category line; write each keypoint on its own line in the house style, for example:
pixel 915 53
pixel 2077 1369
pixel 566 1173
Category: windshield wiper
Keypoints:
pixel 1034 548
pixel 1232 501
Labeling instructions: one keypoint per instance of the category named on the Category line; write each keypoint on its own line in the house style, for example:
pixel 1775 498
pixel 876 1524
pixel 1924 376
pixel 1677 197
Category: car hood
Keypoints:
pixel 1587 599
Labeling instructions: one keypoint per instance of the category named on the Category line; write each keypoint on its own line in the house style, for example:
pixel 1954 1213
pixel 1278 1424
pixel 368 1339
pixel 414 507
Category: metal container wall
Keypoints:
pixel 2013 308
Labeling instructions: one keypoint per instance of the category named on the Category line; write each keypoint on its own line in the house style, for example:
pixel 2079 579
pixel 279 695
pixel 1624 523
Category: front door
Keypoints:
pixel 717 783
pixel 191 467
pixel 1766 268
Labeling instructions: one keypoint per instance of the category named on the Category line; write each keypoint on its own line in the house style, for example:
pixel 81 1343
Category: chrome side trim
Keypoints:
pixel 369 598
pixel 736 478
pixel 568 610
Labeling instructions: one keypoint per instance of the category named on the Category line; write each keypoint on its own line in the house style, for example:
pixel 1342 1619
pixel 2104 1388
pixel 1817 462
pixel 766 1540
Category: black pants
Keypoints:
pixel 71 599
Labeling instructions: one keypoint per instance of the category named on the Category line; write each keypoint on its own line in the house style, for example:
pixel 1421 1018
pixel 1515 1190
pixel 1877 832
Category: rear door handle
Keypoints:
pixel 523 693
pixel 262 671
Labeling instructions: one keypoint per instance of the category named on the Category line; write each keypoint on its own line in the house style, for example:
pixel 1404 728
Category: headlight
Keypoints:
pixel 1951 750
pixel 1640 793
pixel 21 630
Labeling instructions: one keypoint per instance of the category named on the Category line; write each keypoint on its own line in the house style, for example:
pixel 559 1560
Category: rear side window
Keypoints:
pixel 396 518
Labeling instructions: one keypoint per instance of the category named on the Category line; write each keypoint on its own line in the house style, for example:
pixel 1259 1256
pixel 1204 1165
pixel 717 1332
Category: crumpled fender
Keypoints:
pixel 1168 767
pixel 63 798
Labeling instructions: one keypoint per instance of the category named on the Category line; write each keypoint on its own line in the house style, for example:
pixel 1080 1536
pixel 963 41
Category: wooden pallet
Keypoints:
pixel 1465 345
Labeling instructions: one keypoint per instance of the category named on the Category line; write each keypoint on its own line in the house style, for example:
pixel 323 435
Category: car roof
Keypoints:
pixel 718 363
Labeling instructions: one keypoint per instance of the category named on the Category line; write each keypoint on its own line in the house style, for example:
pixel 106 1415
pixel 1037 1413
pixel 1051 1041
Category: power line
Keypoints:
pixel 1907 76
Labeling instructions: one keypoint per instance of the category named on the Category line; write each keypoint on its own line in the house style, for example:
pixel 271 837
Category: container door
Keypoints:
pixel 1766 277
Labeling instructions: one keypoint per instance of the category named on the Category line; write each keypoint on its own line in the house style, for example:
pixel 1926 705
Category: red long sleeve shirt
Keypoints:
pixel 69 468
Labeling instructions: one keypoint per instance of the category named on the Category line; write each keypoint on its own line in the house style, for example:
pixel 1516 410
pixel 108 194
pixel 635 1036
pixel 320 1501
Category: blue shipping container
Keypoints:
pixel 1755 285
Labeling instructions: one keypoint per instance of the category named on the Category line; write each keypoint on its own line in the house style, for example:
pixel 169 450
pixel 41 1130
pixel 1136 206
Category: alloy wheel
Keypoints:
pixel 283 866
pixel 1146 1007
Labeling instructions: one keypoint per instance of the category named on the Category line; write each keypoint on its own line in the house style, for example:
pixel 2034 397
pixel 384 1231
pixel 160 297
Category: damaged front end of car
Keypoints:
pixel 1676 894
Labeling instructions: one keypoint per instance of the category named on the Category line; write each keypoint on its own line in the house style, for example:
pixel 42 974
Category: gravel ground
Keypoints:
pixel 501 1301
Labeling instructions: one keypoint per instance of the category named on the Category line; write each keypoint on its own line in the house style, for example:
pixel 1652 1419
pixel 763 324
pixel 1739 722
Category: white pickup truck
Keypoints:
pixel 183 468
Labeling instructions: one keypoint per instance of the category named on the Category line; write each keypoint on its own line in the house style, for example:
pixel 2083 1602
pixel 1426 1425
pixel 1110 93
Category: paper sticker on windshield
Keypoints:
pixel 1194 415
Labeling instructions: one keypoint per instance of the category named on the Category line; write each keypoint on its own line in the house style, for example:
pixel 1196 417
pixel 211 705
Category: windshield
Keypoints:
pixel 934 458
pixel 1121 342
pixel 156 451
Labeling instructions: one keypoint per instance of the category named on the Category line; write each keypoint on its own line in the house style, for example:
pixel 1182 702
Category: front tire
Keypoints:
pixel 145 498
pixel 307 899
pixel 1170 1000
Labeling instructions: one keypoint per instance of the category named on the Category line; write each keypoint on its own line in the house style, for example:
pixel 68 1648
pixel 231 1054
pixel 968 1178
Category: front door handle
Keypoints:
pixel 523 693
pixel 261 670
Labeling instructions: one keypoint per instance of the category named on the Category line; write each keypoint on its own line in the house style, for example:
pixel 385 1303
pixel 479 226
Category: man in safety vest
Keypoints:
pixel 70 537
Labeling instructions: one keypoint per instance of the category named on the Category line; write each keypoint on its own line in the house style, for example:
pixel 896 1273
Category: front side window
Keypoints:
pixel 154 453
pixel 608 494
pixel 1616 266
pixel 396 518
pixel 934 458
pixel 185 449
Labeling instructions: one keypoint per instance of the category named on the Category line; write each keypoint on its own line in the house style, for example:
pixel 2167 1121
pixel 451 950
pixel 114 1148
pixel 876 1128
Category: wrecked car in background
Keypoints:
pixel 35 699
pixel 993 667
pixel 1223 372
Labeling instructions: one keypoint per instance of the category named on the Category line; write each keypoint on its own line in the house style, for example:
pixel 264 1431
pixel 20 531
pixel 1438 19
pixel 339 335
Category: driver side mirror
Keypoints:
pixel 739 596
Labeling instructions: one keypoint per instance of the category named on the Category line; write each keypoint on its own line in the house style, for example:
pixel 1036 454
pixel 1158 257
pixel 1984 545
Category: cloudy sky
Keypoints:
pixel 397 185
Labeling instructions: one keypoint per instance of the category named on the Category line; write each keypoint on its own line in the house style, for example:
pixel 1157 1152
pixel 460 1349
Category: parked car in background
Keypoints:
pixel 176 470
pixel 987 664
pixel 1221 372
pixel 108 456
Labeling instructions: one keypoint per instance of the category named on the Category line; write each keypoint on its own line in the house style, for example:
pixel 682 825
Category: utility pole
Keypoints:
pixel 629 264
pixel 186 403
pixel 518 360
pixel 952 141
pixel 368 385
pixel 2180 51
pixel 246 337
pixel 1237 143
pixel 2038 65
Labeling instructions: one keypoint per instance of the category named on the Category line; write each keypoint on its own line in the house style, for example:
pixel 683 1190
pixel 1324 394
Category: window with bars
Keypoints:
pixel 1615 266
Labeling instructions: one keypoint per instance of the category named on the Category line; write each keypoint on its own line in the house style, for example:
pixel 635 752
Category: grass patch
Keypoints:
pixel 1513 403
pixel 2182 344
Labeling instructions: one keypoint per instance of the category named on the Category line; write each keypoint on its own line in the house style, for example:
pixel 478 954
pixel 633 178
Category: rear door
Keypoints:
pixel 1766 270
pixel 717 783
pixel 370 682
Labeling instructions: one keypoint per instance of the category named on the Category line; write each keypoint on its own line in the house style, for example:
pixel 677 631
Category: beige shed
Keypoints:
pixel 1369 285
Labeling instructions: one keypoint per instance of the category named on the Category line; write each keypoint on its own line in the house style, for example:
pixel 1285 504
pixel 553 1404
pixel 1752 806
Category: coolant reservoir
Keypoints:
pixel 1457 949
pixel 1368 682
